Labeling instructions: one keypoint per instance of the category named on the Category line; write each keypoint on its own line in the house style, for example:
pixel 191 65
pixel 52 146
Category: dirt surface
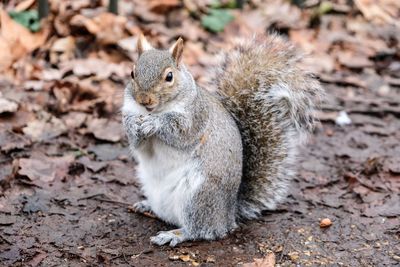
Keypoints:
pixel 67 181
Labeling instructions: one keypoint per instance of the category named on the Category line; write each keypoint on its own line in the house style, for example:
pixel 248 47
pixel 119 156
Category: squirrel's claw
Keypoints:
pixel 142 206
pixel 172 237
pixel 149 126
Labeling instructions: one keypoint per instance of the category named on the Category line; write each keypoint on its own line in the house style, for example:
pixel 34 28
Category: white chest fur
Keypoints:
pixel 168 178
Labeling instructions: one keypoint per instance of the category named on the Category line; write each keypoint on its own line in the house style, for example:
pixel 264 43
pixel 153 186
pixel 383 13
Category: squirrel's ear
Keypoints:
pixel 176 50
pixel 143 44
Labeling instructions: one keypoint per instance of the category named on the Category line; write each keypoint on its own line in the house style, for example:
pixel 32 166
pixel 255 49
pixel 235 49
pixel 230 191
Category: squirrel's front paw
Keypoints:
pixel 172 237
pixel 149 125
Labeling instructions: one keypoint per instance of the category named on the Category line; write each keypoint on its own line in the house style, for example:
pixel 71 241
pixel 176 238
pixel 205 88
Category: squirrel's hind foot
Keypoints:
pixel 172 237
pixel 142 207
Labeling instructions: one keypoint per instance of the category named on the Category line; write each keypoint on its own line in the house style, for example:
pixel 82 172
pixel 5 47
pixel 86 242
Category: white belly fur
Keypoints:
pixel 168 179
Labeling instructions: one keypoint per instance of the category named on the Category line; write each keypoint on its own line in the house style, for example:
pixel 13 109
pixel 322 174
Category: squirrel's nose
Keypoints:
pixel 147 101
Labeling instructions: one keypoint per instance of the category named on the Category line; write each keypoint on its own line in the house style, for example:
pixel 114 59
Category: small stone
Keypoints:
pixel 184 258
pixel 324 223
pixel 294 256
pixel 210 259
pixel 279 249
pixel 173 257
pixel 343 119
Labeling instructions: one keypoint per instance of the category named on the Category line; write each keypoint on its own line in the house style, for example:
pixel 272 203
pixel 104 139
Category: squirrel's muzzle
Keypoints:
pixel 147 100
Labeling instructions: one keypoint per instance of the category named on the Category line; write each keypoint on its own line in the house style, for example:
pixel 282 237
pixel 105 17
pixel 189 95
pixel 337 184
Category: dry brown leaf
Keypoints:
pixel 380 11
pixel 63 49
pixel 94 166
pixel 24 5
pixel 93 66
pixel 37 259
pixel 10 140
pixel 351 60
pixel 107 27
pixel 128 45
pixel 7 106
pixel 163 6
pixel 45 169
pixel 267 261
pixel 74 119
pixel 19 39
pixel 6 58
pixel 39 130
pixel 105 129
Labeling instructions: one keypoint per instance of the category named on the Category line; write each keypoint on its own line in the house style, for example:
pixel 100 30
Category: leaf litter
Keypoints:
pixel 67 181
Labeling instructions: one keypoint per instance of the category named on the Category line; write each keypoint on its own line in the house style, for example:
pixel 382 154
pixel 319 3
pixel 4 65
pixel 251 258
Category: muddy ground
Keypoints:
pixel 67 181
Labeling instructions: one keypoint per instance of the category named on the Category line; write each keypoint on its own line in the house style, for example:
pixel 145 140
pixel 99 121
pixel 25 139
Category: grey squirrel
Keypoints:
pixel 208 161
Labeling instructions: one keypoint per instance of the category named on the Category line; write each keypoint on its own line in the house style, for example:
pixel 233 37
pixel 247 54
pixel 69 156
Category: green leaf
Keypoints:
pixel 324 8
pixel 29 19
pixel 227 4
pixel 216 20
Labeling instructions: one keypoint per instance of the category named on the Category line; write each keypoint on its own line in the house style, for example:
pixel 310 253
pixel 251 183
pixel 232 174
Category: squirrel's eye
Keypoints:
pixel 132 75
pixel 169 77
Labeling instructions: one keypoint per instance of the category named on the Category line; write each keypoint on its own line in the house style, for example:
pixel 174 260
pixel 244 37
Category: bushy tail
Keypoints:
pixel 273 102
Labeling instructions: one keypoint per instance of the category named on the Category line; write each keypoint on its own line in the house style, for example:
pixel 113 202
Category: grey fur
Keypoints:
pixel 273 102
pixel 204 132
pixel 270 103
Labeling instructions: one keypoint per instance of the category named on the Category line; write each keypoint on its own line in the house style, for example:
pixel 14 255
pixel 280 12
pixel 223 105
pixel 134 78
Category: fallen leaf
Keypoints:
pixel 37 259
pixel 95 166
pixel 29 19
pixel 45 169
pixel 393 165
pixel 24 5
pixel 11 255
pixel 39 130
pixel 63 49
pixel 351 60
pixel 7 219
pixel 105 129
pixel 107 27
pixel 19 39
pixel 6 56
pixel 184 258
pixel 94 66
pixel 34 85
pixel 7 106
pixel 216 20
pixel 74 119
pixel 163 6
pixel 38 202
pixel 10 141
pixel 379 11
pixel 267 261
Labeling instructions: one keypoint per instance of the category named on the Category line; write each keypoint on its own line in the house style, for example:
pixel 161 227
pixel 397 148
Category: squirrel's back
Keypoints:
pixel 272 101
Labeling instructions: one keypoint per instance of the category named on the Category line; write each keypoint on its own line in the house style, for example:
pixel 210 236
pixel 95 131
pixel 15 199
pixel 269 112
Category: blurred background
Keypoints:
pixel 67 180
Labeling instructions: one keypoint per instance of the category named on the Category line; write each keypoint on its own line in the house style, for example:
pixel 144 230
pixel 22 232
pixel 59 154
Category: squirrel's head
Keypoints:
pixel 158 75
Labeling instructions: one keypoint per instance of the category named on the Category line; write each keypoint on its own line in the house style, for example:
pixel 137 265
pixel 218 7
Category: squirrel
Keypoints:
pixel 208 161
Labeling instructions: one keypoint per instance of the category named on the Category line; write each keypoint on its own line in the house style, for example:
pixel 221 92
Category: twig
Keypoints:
pixel 43 8
pixel 113 6
pixel 5 240
pixel 104 198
